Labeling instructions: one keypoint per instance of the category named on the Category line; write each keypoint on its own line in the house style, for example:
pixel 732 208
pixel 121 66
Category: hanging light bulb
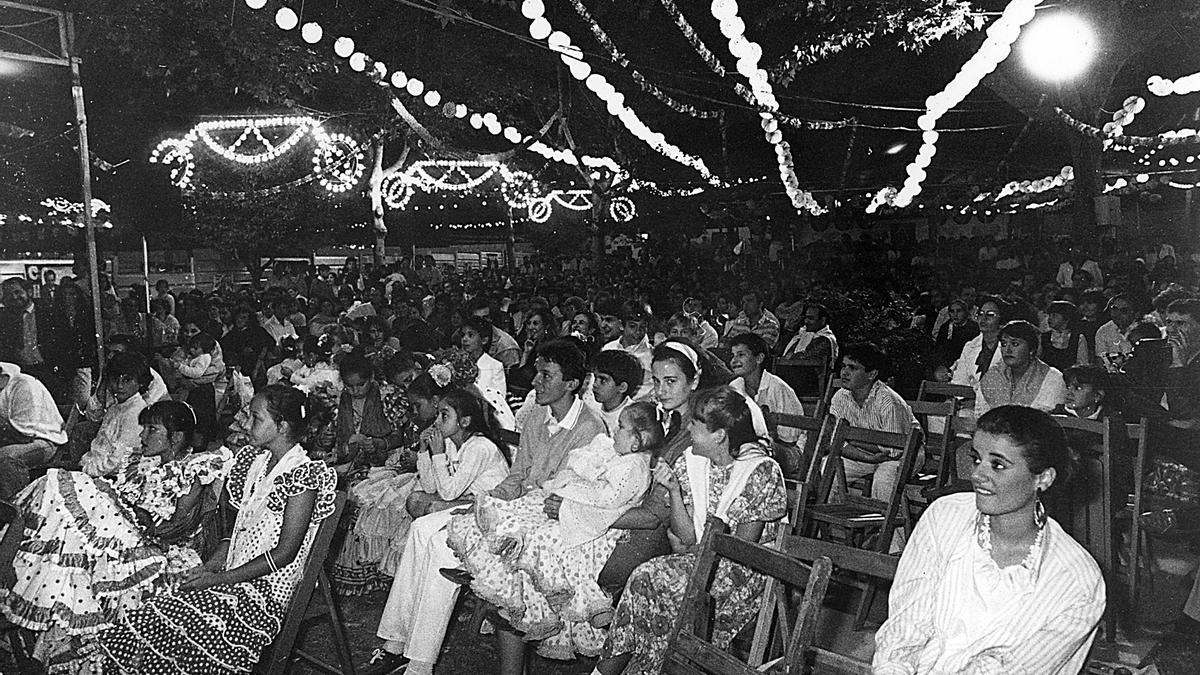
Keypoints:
pixel 432 98
pixel 358 62
pixel 256 4
pixel 343 47
pixel 399 79
pixel 311 32
pixel 286 18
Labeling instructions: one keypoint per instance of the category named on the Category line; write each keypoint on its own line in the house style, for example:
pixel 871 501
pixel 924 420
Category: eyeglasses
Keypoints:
pixel 990 315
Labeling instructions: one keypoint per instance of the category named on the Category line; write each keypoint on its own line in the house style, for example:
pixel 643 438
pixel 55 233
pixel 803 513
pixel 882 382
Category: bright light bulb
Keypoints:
pixel 399 79
pixel 540 28
pixel 415 87
pixel 256 4
pixel 432 98
pixel 311 32
pixel 286 18
pixel 358 62
pixel 1058 47
pixel 532 9
pixel 343 47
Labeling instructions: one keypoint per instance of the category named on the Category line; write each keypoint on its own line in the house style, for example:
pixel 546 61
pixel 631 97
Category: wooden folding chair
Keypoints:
pixel 1137 537
pixel 836 510
pixel 1093 523
pixel 800 490
pixel 690 649
pixel 939 454
pixel 304 609
pixel 876 567
pixel 809 377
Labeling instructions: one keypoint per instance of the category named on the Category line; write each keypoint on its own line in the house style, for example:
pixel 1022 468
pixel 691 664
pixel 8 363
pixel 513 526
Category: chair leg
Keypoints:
pixel 335 625
pixel 864 605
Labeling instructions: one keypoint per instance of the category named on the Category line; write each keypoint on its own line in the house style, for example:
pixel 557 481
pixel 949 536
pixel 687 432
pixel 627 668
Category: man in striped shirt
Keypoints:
pixel 866 402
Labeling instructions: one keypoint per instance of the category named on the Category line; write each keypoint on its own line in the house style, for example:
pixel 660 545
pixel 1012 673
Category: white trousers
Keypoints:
pixel 421 601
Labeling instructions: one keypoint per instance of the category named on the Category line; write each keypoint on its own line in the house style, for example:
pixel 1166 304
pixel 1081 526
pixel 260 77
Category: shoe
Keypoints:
pixel 460 577
pixel 383 662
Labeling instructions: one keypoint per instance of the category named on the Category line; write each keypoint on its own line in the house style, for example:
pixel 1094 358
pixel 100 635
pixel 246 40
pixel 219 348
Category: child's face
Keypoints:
pixel 426 409
pixel 194 350
pixel 447 420
pixel 1082 396
pixel 155 439
pixel 606 390
pixel 625 439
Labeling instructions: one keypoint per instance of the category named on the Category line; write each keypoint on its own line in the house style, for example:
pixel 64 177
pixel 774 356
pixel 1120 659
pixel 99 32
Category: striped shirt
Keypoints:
pixel 953 610
pixel 883 410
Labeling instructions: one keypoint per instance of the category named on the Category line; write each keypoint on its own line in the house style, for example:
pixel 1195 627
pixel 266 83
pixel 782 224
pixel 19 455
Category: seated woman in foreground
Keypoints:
pixel 989 583
pixel 727 473
pixel 93 548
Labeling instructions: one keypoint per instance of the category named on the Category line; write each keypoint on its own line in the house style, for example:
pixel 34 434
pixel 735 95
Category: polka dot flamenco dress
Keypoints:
pixel 223 629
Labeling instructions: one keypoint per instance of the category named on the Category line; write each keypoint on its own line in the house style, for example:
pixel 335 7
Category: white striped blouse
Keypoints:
pixel 953 610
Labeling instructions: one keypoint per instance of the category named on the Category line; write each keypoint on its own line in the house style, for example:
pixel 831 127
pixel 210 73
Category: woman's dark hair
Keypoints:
pixel 175 416
pixel 1023 331
pixel 423 386
pixel 1037 434
pixel 1093 375
pixel 287 404
pixel 132 364
pixel 593 321
pixel 567 354
pixel 314 345
pixel 468 402
pixel 356 364
pixel 647 426
pixel 725 408
pixel 399 362
pixel 548 321
pixel 665 352
pixel 1068 310
pixel 481 325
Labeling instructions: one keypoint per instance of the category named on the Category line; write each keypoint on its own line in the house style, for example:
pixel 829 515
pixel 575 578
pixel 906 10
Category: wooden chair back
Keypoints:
pixel 690 649
pixel 939 449
pixel 1092 522
pixel 809 377
pixel 509 442
pixel 277 658
pixel 778 608
pixel 932 390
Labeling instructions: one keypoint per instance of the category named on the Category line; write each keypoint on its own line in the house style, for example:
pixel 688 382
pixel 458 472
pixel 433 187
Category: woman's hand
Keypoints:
pixel 664 476
pixel 432 441
pixel 198 578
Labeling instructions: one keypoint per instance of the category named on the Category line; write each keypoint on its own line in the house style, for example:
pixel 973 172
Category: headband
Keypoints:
pixel 756 416
pixel 686 351
pixel 192 411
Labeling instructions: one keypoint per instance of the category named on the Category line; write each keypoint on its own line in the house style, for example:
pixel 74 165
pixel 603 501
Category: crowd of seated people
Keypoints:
pixel 645 376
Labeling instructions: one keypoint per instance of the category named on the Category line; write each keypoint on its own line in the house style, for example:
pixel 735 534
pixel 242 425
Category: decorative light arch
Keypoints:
pixel 443 175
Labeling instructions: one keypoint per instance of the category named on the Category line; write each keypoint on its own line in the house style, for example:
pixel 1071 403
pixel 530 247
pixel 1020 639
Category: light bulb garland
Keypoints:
pixel 621 209
pixel 1001 35
pixel 1166 138
pixel 614 100
pixel 1124 117
pixel 618 58
pixel 748 54
pixel 429 176
pixel 337 158
pixel 1161 86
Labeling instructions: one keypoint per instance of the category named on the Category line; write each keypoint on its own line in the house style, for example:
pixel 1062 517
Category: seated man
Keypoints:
pixel 866 402
pixel 31 427
pixel 634 320
pixel 754 318
pixel 421 601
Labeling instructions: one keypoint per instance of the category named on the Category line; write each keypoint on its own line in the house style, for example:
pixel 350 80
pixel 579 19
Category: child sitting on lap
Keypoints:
pixel 527 564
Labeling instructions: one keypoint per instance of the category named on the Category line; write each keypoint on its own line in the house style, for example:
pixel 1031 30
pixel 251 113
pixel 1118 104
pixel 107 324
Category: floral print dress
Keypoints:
pixel 654 593
pixel 86 558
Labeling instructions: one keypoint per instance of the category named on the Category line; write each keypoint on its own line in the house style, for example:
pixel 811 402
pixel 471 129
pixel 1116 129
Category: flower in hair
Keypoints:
pixel 441 373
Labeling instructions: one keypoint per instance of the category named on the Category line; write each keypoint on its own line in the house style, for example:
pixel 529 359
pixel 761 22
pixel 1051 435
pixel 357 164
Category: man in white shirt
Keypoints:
pixel 865 402
pixel 504 347
pixel 815 339
pixel 1111 337
pixel 633 340
pixel 30 424
pixel 277 325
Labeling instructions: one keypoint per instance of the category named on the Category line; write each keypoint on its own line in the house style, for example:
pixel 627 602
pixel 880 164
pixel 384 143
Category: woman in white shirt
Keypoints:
pixel 477 340
pixel 769 391
pixel 1022 378
pixel 989 583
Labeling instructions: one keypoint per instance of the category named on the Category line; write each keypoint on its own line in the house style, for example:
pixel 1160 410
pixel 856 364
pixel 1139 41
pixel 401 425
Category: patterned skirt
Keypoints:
pixel 546 591
pixel 375 538
pixel 84 560
pixel 222 629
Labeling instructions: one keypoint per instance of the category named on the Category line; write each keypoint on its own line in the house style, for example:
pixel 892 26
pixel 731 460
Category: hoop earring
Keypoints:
pixel 1039 509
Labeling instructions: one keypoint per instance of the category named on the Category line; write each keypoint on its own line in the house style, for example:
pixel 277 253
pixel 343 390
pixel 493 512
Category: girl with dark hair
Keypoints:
pixel 1023 378
pixel 94 547
pixel 1063 345
pixel 539 327
pixel 126 376
pixel 476 340
pixel 727 473
pixel 227 610
pixel 989 582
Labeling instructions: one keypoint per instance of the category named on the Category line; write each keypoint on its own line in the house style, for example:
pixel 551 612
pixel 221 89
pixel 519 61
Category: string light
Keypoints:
pixel 1166 138
pixel 337 157
pixel 454 176
pixel 748 54
pixel 1161 86
pixel 614 100
pixel 620 209
pixel 1124 117
pixel 286 18
pixel 1001 35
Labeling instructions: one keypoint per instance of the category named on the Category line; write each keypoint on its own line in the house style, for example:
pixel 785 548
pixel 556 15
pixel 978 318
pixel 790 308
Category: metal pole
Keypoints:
pixel 85 171
pixel 146 272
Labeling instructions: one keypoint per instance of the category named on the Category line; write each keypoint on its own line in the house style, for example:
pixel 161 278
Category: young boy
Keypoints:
pixel 616 374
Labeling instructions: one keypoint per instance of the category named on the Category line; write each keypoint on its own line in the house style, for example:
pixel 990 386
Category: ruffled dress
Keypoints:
pixel 380 522
pixel 223 629
pixel 86 559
